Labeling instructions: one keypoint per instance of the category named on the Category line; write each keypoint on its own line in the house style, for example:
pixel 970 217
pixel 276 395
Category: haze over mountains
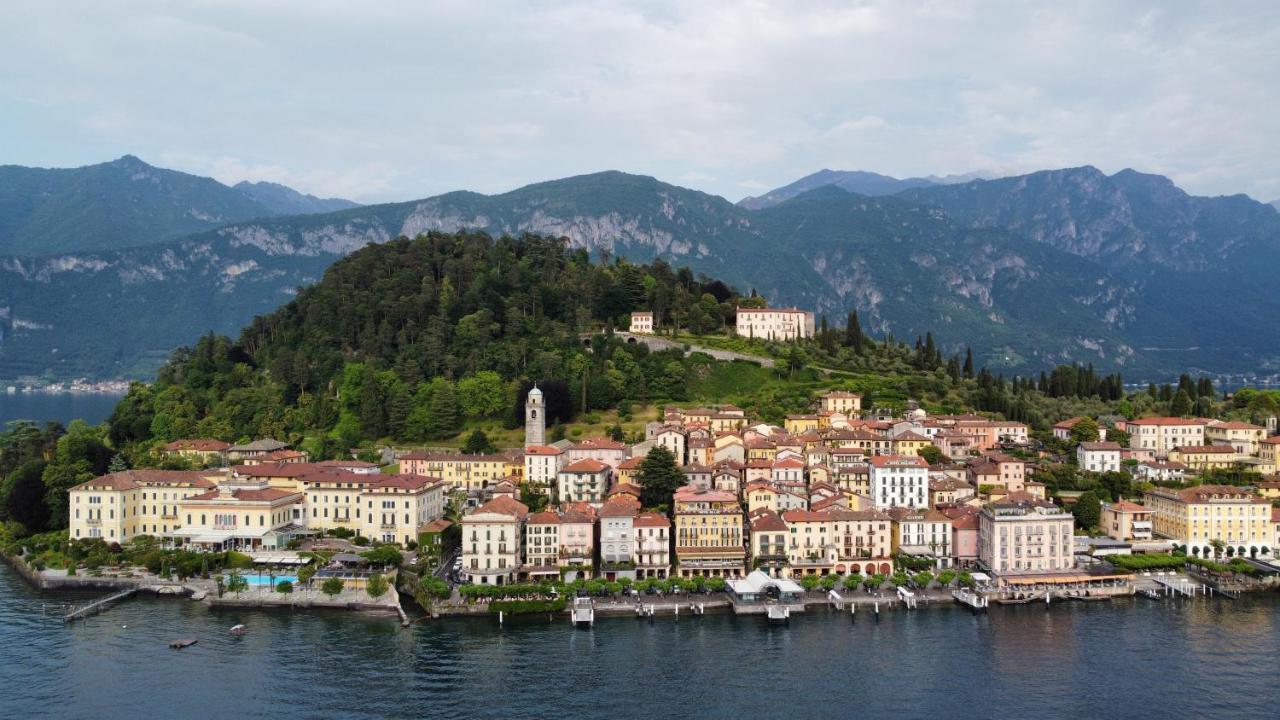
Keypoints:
pixel 857 181
pixel 1125 271
pixel 126 203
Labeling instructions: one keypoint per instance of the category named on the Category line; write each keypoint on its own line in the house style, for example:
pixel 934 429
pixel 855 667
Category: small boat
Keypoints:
pixel 185 642
pixel 237 630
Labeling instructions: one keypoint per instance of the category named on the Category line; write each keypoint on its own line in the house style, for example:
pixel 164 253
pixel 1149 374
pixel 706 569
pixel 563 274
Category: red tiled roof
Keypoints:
pixel 651 519
pixel 882 461
pixel 586 465
pixel 504 505
pixel 1165 421
pixel 249 495
pixel 765 520
pixel 599 443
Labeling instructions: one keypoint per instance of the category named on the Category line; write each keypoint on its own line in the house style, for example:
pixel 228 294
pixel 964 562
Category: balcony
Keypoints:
pixel 93 521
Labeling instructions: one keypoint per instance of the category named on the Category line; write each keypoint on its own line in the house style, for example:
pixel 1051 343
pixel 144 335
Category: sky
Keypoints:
pixel 383 101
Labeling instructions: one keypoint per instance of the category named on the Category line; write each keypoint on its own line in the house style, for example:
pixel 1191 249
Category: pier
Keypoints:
pixel 98 606
pixel 583 613
pixel 1181 586
pixel 969 599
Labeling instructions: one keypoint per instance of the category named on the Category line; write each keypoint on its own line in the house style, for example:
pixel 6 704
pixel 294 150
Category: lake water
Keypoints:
pixel 1202 658
pixel 62 407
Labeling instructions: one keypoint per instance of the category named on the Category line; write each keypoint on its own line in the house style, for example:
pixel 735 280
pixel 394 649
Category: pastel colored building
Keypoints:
pixel 1127 521
pixel 1098 457
pixel 1162 434
pixel 493 541
pixel 1198 517
pixel 1023 535
pixel 775 323
pixel 899 481
pixel 710 541
pixel 642 323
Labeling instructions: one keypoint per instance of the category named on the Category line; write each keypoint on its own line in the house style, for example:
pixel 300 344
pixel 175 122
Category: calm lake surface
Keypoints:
pixel 1202 658
pixel 63 407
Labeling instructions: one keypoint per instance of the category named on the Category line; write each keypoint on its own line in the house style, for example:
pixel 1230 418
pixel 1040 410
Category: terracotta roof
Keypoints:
pixel 832 515
pixel 1108 445
pixel 129 479
pixel 586 465
pixel 789 463
pixel 1068 423
pixel 910 435
pixel 249 495
pixel 692 494
pixel 1165 421
pixel 599 443
pixel 884 461
pixel 346 464
pixel 1127 507
pixel 651 519
pixel 404 482
pixel 542 450
pixel 461 457
pixel 765 520
pixel 503 505
pixel 620 506
pixel 544 517
pixel 1022 499
pixel 624 489
pixel 437 525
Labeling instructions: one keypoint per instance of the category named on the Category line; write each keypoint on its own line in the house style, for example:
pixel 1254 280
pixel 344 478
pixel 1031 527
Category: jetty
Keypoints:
pixel 1181 586
pixel 778 614
pixel 583 613
pixel 98 606
pixel 970 599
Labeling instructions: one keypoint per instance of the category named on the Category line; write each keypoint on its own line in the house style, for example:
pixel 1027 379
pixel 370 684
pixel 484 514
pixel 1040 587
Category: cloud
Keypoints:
pixel 398 100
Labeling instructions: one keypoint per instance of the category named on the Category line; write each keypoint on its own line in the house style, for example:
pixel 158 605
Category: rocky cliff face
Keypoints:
pixel 1124 271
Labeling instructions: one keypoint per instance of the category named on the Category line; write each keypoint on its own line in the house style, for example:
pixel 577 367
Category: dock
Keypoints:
pixel 970 599
pixel 778 614
pixel 98 606
pixel 1181 586
pixel 583 612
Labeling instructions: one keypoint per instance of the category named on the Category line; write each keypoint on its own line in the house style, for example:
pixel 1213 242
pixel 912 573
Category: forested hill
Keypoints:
pixel 407 339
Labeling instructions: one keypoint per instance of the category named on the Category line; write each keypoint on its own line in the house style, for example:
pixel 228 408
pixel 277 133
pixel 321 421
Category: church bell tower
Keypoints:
pixel 535 419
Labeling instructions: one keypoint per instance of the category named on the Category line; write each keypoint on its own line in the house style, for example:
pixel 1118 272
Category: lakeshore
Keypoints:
pixel 1077 658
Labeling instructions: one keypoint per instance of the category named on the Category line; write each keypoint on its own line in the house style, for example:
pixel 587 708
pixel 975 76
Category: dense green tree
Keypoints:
pixel 477 443
pixel 80 455
pixel 22 496
pixel 1086 430
pixel 659 476
pixel 1181 404
pixel 1087 510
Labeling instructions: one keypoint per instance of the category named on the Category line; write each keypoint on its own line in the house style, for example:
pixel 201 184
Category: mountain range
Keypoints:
pixel 856 181
pixel 1125 271
pixel 127 203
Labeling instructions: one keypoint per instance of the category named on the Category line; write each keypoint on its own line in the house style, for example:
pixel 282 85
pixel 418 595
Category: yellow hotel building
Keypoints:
pixel 1197 516
pixel 709 533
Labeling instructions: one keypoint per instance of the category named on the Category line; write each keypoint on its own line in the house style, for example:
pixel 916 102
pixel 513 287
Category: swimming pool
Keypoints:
pixel 268 580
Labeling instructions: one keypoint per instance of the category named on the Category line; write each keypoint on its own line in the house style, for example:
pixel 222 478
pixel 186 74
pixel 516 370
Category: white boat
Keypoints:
pixel 238 630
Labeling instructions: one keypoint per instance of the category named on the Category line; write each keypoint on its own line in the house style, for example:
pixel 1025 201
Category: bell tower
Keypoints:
pixel 535 419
